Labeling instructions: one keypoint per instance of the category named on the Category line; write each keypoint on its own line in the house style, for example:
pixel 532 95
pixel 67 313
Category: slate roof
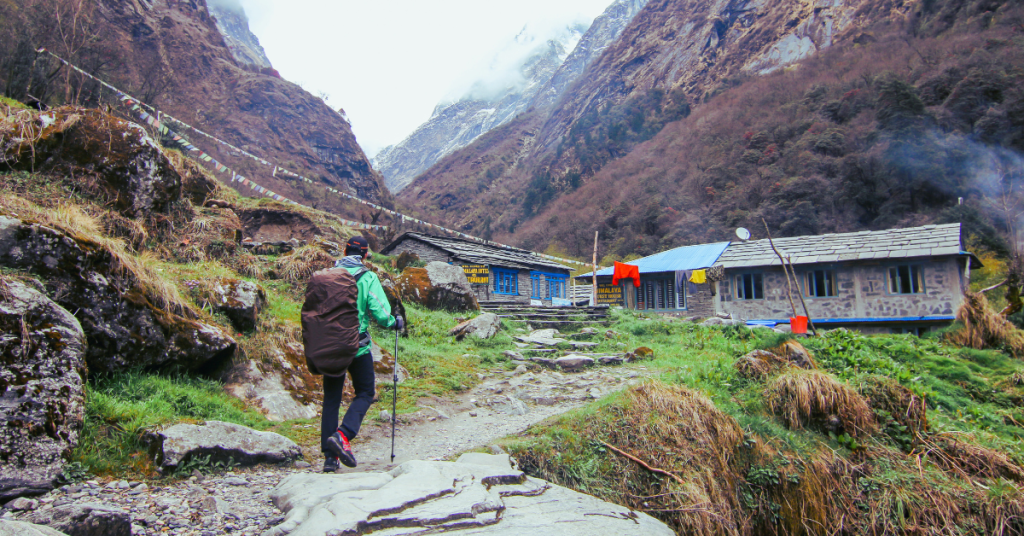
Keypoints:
pixel 683 258
pixel 473 252
pixel 913 242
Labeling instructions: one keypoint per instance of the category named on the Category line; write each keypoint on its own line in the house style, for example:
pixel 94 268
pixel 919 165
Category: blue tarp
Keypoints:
pixel 936 318
pixel 684 258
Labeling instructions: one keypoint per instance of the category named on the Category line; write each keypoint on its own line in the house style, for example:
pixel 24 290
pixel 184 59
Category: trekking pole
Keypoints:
pixel 394 400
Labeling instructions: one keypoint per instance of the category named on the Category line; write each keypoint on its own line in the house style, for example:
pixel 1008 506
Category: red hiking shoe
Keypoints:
pixel 338 445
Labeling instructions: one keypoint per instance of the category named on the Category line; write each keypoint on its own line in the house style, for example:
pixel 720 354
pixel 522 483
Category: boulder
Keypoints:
pixel 112 155
pixel 9 527
pixel 127 323
pixel 85 519
pixel 508 405
pixel 241 301
pixel 610 360
pixel 222 442
pixel 513 355
pixel 42 402
pixel 483 497
pixel 265 387
pixel 484 326
pixel 797 354
pixel 544 337
pixel 438 286
pixel 574 363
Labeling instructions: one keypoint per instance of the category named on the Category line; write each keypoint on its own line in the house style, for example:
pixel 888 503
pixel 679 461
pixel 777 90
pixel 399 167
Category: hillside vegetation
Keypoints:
pixel 888 127
pixel 872 435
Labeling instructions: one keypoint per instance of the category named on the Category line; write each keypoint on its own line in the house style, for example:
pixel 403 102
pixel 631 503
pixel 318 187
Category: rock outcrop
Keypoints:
pixel 483 326
pixel 481 497
pixel 127 323
pixel 241 301
pixel 438 286
pixel 85 519
pixel 268 390
pixel 221 442
pixel 42 349
pixel 126 163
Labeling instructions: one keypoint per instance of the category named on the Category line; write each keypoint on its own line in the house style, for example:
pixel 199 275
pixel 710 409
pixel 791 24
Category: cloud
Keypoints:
pixel 230 5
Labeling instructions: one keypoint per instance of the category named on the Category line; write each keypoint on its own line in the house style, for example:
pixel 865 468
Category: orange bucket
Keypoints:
pixel 798 324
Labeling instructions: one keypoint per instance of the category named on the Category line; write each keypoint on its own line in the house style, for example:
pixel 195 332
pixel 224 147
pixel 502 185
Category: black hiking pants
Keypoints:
pixel 361 370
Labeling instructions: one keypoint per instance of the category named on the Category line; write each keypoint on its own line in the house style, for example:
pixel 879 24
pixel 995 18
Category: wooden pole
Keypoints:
pixel 789 283
pixel 593 295
pixel 802 302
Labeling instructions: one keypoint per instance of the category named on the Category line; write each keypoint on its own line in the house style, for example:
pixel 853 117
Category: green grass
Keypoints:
pixel 13 103
pixel 121 409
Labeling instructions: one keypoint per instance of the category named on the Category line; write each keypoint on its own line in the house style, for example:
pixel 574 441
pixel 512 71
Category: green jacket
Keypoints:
pixel 372 302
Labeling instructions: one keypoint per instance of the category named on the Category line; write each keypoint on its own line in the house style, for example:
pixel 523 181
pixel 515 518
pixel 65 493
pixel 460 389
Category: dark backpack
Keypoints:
pixel 330 321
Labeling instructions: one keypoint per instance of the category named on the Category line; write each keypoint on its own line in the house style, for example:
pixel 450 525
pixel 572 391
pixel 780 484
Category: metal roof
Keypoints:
pixel 683 258
pixel 477 253
pixel 927 241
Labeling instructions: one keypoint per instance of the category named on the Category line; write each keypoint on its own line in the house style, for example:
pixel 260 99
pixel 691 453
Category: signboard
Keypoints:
pixel 478 274
pixel 608 294
pixel 561 302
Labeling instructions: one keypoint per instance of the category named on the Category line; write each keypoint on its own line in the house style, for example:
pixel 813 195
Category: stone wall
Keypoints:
pixel 862 292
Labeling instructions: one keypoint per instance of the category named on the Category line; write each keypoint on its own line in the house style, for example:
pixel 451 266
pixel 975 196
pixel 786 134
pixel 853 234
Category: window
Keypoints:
pixel 821 283
pixel 750 287
pixel 535 285
pixel 505 281
pixel 905 279
pixel 556 286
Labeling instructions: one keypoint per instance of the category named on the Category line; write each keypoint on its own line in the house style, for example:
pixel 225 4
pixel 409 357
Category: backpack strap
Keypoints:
pixel 360 273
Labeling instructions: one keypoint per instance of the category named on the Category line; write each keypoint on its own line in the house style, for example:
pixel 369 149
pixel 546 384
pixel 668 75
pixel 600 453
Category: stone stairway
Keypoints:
pixel 540 317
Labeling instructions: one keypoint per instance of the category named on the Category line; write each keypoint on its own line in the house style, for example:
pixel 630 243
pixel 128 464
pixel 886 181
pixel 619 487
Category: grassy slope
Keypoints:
pixel 887 481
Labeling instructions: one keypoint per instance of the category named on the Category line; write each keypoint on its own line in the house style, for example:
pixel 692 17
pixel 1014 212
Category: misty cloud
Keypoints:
pixel 229 5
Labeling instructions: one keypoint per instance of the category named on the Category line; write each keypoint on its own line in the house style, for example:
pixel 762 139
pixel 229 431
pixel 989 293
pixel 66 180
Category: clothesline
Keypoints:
pixel 157 118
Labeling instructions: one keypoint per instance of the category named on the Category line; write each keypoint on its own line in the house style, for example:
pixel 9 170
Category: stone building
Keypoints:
pixel 899 280
pixel 496 273
pixel 664 285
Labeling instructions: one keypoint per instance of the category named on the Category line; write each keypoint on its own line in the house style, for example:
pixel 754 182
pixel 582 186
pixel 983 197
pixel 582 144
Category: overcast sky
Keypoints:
pixel 389 62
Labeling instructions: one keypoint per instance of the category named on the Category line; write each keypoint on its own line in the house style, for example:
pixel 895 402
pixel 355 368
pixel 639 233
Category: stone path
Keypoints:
pixel 238 502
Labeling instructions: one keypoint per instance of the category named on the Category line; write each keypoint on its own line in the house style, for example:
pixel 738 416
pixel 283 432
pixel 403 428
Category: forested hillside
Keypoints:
pixel 888 127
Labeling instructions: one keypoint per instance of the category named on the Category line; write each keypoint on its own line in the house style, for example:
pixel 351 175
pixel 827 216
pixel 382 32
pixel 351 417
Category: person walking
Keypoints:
pixel 323 313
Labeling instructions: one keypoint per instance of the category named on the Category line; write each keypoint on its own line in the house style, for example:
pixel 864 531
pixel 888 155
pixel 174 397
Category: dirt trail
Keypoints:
pixel 238 502
pixel 502 404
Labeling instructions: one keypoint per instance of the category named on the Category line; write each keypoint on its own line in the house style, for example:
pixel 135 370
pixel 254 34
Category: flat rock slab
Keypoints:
pixel 224 442
pixel 418 497
pixel 20 528
pixel 573 362
pixel 545 337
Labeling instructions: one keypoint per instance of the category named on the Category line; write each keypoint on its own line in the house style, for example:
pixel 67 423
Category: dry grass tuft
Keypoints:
pixel 678 430
pixel 131 230
pixel 70 219
pixel 812 399
pixel 248 265
pixel 297 267
pixel 969 460
pixel 759 364
pixel 981 327
pixel 906 408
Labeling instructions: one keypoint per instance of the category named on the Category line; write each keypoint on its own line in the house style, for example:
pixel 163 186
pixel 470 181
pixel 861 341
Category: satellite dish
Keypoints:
pixel 743 233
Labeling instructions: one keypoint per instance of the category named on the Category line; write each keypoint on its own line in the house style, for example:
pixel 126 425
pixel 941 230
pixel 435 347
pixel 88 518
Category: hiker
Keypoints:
pixel 337 341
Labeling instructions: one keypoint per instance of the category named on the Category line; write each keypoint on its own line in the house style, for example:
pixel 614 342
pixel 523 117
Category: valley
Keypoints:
pixel 154 377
